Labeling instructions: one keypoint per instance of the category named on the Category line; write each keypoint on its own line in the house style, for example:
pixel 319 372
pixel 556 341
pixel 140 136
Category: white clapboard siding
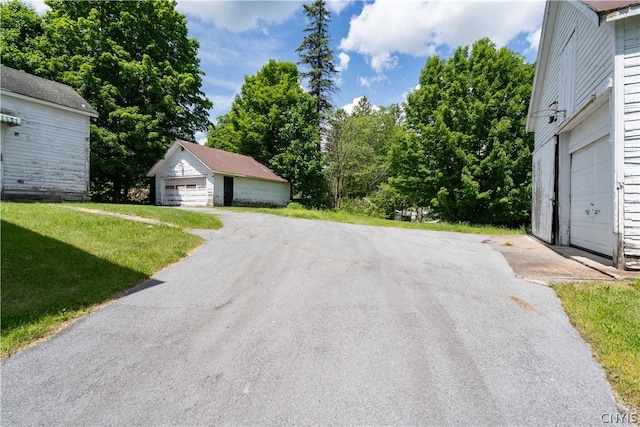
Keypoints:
pixel 182 165
pixel 545 140
pixel 218 190
pixel 632 143
pixel 47 156
pixel 253 192
pixel 594 59
pixel 248 191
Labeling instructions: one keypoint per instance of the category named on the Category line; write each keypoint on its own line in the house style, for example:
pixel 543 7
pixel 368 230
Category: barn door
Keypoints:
pixel 544 196
pixel 228 191
pixel 566 95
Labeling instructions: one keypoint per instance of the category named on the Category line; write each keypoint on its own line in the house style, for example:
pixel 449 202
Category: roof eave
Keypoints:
pixel 591 14
pixel 154 169
pixel 259 178
pixel 90 113
pixel 542 59
pixel 627 12
pixel 185 145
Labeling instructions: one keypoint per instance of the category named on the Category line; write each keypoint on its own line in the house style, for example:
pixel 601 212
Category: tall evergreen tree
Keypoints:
pixel 316 54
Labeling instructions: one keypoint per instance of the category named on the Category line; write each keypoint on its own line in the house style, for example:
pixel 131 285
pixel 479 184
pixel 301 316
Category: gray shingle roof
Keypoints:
pixel 26 84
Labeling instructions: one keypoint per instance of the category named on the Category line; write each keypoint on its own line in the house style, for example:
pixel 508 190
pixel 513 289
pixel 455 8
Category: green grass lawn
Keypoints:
pixel 607 315
pixel 59 263
pixel 345 217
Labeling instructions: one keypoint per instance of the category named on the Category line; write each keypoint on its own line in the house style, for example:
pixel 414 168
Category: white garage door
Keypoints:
pixel 185 192
pixel 592 197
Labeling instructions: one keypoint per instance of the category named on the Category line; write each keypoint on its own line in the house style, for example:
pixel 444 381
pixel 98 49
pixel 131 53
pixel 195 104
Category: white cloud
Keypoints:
pixel 221 105
pixel 534 40
pixel 344 62
pixel 368 81
pixel 406 93
pixel 38 5
pixel 418 28
pixel 201 137
pixel 337 6
pixel 239 16
pixel 236 16
pixel 350 106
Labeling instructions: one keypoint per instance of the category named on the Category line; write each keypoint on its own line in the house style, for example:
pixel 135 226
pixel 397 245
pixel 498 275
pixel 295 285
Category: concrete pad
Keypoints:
pixel 604 265
pixel 533 260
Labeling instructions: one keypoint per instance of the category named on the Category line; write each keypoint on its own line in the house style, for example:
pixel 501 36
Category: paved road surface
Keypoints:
pixel 279 321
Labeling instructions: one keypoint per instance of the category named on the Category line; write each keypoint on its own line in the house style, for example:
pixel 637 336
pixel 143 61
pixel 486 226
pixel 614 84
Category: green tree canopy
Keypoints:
pixel 133 61
pixel 467 154
pixel 20 36
pixel 357 146
pixel 274 121
pixel 316 54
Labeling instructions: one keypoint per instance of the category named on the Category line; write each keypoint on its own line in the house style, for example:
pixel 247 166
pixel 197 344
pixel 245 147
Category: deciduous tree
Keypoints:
pixel 20 37
pixel 357 146
pixel 134 62
pixel 467 154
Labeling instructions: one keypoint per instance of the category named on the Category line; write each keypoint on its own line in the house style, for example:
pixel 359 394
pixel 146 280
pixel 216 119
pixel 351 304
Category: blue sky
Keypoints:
pixel 379 46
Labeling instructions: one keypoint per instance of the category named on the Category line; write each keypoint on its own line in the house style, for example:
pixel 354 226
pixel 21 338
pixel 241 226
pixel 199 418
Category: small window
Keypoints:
pixel 170 187
pixel 191 186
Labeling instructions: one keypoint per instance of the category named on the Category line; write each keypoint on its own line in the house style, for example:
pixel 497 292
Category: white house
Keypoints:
pixel 585 112
pixel 44 143
pixel 194 175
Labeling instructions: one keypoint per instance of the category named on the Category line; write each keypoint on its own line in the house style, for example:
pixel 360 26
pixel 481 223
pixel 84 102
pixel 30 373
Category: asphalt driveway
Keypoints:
pixel 280 321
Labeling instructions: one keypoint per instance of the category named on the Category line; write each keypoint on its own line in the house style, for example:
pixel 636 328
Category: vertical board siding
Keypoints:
pixel 543 192
pixel 632 143
pixel 47 156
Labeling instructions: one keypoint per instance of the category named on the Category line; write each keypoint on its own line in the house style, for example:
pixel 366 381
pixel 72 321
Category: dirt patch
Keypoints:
pixel 522 303
pixel 123 216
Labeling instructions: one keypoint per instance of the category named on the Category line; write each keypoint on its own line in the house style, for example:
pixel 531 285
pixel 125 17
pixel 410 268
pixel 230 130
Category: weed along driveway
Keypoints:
pixel 283 321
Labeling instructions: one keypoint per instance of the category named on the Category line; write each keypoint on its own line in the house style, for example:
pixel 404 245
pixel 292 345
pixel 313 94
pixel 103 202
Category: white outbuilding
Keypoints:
pixel 194 175
pixel 44 140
